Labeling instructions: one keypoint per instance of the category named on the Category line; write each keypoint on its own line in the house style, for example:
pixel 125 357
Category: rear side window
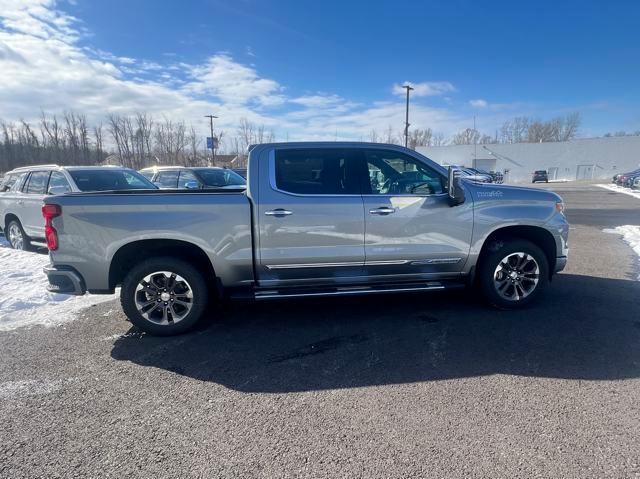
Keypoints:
pixel 167 179
pixel 37 182
pixel 148 174
pixel 58 182
pixel 321 171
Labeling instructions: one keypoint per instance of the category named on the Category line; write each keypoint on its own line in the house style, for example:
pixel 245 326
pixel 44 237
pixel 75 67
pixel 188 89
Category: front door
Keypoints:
pixel 411 231
pixel 311 218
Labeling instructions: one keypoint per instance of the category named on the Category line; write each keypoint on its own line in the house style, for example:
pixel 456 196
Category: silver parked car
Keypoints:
pixel 316 219
pixel 21 204
pixel 184 177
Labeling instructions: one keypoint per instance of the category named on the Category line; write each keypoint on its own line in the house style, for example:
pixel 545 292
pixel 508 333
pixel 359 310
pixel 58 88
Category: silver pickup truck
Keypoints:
pixel 316 219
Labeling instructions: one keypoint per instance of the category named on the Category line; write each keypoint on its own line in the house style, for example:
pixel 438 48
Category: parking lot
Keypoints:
pixel 393 386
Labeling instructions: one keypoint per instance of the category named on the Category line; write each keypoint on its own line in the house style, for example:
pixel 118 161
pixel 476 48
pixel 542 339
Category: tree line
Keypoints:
pixel 135 141
pixel 141 140
pixel 521 129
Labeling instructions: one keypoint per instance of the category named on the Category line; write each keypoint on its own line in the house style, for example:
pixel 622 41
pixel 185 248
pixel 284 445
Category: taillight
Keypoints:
pixel 49 212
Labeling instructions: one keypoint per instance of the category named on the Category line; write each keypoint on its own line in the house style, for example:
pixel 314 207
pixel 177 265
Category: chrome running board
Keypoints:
pixel 353 290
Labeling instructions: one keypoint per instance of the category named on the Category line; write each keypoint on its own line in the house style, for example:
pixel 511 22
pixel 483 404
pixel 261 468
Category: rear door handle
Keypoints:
pixel 278 212
pixel 383 210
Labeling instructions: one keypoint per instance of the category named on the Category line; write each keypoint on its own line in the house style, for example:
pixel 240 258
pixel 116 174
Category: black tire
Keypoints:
pixel 26 242
pixel 492 257
pixel 192 278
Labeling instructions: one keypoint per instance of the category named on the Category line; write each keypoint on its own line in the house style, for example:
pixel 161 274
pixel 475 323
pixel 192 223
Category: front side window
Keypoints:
pixel 17 183
pixel 8 182
pixel 321 171
pixel 37 183
pixel 58 183
pixel 167 179
pixel 394 173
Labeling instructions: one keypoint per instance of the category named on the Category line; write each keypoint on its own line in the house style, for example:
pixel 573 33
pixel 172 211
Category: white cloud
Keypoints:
pixel 45 64
pixel 479 103
pixel 233 83
pixel 436 88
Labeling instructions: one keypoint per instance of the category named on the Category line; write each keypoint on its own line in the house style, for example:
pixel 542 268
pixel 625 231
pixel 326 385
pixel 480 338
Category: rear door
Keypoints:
pixel 34 192
pixel 310 217
pixel 410 228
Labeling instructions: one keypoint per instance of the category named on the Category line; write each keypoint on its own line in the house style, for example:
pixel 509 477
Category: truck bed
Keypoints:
pixel 94 226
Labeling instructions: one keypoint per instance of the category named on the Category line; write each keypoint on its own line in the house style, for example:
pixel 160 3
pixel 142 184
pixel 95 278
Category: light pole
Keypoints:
pixel 213 145
pixel 406 121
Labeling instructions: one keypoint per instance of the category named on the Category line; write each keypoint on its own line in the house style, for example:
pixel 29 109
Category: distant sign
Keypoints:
pixel 212 142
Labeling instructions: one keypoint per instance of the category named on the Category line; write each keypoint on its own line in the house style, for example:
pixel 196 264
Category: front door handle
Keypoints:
pixel 278 212
pixel 383 210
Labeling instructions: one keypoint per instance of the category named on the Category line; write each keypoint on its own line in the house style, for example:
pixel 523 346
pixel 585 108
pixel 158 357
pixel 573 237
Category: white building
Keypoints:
pixel 577 159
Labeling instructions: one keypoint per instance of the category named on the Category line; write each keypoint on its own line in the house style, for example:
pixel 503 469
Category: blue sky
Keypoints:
pixel 325 69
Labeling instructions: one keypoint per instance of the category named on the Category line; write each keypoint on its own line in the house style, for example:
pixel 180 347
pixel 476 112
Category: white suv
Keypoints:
pixel 21 203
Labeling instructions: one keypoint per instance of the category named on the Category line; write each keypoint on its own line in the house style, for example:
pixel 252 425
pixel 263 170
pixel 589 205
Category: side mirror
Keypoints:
pixel 456 192
pixel 192 185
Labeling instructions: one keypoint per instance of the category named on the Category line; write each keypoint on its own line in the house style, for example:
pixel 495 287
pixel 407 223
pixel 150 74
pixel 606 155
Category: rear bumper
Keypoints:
pixel 64 280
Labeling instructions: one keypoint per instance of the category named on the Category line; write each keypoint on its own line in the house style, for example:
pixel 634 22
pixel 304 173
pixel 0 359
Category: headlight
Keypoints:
pixel 560 207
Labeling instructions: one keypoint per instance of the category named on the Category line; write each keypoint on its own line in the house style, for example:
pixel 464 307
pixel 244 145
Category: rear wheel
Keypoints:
pixel 164 296
pixel 16 236
pixel 513 273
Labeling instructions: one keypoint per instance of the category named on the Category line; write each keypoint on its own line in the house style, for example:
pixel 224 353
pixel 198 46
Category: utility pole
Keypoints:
pixel 213 145
pixel 406 121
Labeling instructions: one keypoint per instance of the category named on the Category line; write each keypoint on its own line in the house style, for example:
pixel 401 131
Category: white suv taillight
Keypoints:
pixel 49 212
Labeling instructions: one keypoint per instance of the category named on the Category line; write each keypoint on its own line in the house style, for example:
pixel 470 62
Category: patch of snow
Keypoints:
pixel 631 234
pixel 24 299
pixel 31 387
pixel 620 189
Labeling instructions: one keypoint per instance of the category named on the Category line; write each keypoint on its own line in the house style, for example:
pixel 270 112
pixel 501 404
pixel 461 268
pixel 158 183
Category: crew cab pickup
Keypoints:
pixel 315 219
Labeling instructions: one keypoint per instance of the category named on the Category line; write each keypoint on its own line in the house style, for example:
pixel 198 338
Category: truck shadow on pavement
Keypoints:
pixel 584 328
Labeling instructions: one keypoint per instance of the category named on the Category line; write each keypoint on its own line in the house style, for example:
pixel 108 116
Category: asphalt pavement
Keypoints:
pixel 426 385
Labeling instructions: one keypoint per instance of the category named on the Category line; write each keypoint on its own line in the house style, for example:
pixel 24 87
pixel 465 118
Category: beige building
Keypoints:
pixel 597 158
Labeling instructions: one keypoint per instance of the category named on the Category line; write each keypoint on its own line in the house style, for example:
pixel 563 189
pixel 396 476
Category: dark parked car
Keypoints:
pixel 626 179
pixel 540 175
pixel 182 177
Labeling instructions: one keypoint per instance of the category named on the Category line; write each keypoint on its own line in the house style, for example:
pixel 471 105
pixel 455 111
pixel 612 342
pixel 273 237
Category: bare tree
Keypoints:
pixel 418 137
pixel 468 136
pixel 439 140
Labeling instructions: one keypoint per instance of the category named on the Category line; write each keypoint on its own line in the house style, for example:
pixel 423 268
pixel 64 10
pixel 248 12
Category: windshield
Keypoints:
pixel 220 177
pixel 105 180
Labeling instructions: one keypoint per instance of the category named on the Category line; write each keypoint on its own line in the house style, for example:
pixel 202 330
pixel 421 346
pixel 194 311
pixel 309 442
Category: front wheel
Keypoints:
pixel 164 296
pixel 512 273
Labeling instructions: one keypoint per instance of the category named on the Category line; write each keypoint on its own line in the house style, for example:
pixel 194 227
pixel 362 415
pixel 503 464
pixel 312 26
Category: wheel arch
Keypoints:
pixel 538 235
pixel 132 253
pixel 8 217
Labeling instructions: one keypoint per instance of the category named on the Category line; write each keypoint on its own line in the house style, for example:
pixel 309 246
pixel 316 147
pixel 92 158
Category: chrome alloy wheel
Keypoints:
pixel 16 239
pixel 516 276
pixel 164 297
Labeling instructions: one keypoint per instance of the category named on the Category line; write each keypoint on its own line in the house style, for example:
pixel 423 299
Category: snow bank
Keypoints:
pixel 620 189
pixel 24 300
pixel 631 234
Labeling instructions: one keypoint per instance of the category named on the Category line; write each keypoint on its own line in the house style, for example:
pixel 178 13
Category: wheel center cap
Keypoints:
pixel 165 296
pixel 513 275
